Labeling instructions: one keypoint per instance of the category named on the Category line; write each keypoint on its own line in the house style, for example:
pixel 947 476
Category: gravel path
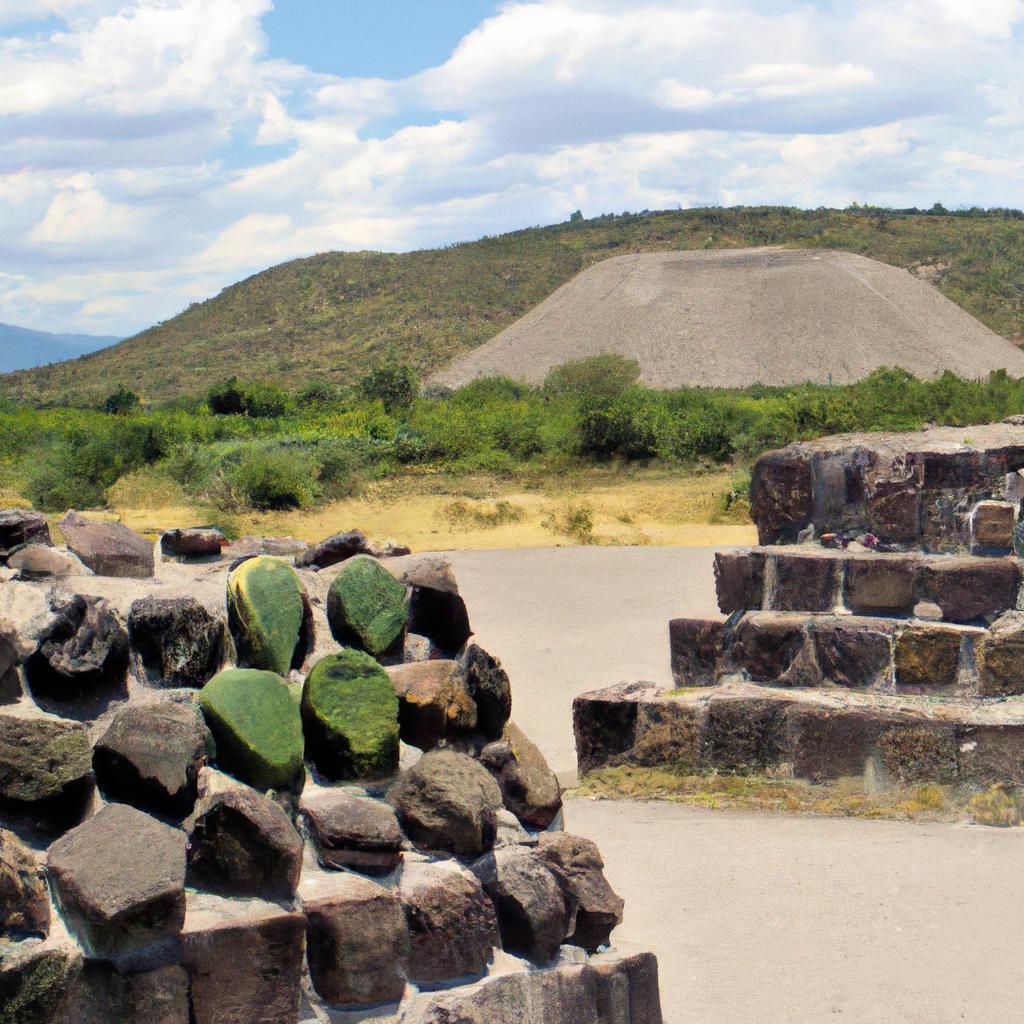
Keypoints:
pixel 755 920
pixel 730 318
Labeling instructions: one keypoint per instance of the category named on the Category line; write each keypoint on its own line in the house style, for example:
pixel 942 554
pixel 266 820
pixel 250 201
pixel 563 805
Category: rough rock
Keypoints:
pixel 448 801
pixel 367 607
pixel 532 916
pixel 577 864
pixel 10 676
pixel 39 561
pixel 104 995
pixel 771 647
pixel 350 717
pixel 1000 656
pixel 257 726
pixel 433 702
pixel 353 832
pixel 745 735
pixel 452 925
pixel 109 549
pixel 970 588
pixel 243 844
pixel 338 548
pixel 19 526
pixel 36 980
pixel 84 650
pixel 150 756
pixel 880 585
pixel 628 990
pixel 489 686
pixel 120 880
pixel 251 546
pixel 357 942
pixel 780 495
pixel 420 648
pixel 854 652
pixel 529 787
pixel 42 758
pixel 244 960
pixel 266 612
pixel 927 658
pixel 178 641
pixel 739 580
pixel 192 542
pixel 436 609
pixel 696 650
pixel 24 903
pixel 805 582
pixel 992 524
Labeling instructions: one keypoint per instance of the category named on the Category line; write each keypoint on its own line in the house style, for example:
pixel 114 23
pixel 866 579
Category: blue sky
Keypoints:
pixel 154 151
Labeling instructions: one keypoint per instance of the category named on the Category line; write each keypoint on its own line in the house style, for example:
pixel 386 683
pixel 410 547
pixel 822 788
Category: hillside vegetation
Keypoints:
pixel 337 315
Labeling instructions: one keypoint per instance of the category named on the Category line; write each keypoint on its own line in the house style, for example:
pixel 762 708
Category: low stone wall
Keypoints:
pixel 237 790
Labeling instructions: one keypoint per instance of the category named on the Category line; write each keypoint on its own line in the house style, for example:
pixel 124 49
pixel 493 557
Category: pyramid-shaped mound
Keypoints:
pixel 731 318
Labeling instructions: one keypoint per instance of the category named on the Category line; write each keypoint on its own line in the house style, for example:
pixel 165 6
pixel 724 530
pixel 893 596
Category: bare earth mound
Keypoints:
pixel 731 318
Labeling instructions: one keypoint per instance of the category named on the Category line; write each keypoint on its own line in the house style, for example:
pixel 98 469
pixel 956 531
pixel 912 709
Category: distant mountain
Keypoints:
pixel 22 348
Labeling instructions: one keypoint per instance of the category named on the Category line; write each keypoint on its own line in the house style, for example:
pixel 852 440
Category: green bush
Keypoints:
pixel 278 479
pixel 600 378
pixel 396 387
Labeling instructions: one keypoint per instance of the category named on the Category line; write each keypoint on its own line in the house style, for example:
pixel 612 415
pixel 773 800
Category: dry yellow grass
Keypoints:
pixel 447 513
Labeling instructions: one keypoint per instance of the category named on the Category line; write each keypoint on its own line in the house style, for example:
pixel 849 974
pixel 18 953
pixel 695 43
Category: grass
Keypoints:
pixel 778 794
pixel 336 316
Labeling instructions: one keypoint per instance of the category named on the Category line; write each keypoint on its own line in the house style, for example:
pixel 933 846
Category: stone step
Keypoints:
pixel 852 652
pixel 816 734
pixel 964 588
pixel 943 489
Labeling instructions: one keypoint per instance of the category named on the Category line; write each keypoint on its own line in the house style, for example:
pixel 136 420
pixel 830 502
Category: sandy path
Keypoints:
pixel 755 920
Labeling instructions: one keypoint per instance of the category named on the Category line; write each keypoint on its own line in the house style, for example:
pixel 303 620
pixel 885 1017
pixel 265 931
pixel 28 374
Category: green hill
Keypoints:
pixel 337 315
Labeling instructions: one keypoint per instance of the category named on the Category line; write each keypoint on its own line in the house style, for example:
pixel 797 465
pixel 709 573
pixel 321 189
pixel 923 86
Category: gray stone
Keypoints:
pixel 879 585
pixel 352 832
pixel 970 588
pixel 434 702
pixel 177 640
pixel 696 647
pixel 805 582
pixel 39 561
pixel 333 550
pixel 20 526
pixel 36 980
pixel 10 676
pixel 109 549
pixel 104 995
pixel 1000 657
pixel 528 786
pixel 120 880
pixel 436 609
pixel 739 580
pixel 489 686
pixel 42 758
pixel 192 542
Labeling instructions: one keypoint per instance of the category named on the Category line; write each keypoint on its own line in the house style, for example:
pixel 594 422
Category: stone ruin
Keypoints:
pixel 266 783
pixel 876 631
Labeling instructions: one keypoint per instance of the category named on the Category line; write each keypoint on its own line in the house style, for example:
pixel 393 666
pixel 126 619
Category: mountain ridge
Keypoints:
pixel 23 348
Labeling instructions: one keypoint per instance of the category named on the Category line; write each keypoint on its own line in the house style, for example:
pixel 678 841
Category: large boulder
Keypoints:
pixel 338 548
pixel 350 717
pixel 150 756
pixel 357 942
pixel 532 915
pixel 83 652
pixel 267 614
pixel 488 685
pixel 36 980
pixel 452 925
pixel 120 880
pixel 367 607
pixel 577 864
pixel 192 543
pixel 244 960
pixel 434 702
pixel 353 832
pixel 257 727
pixel 177 640
pixel 109 549
pixel 436 609
pixel 41 561
pixel 42 758
pixel 20 526
pixel 24 903
pixel 243 844
pixel 448 801
pixel 528 786
pixel 105 995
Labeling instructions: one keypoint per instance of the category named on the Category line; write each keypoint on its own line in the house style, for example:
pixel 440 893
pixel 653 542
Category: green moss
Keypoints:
pixel 266 611
pixel 255 721
pixel 350 716
pixel 34 983
pixel 40 757
pixel 366 606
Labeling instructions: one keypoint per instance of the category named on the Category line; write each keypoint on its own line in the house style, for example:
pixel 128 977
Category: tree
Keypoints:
pixel 396 386
pixel 121 402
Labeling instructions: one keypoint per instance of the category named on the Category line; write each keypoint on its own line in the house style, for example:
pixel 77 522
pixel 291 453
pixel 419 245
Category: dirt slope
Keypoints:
pixel 738 317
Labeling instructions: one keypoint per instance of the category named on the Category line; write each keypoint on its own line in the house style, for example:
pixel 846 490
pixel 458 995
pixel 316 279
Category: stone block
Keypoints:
pixel 178 642
pixel 193 543
pixel 919 752
pixel 696 647
pixel 529 788
pixel 781 495
pixel 1000 657
pixel 352 832
pixel 24 900
pixel 433 702
pixel 803 582
pixel 991 754
pixel 488 684
pixel 109 549
pixel 42 758
pixel 744 734
pixel 878 585
pixel 36 981
pixel 739 580
pixel 853 652
pixel 604 723
pixel 773 648
pixel 894 515
pixel 826 743
pixel 966 589
pixel 104 995
pixel 638 976
pixel 992 524
pixel 927 658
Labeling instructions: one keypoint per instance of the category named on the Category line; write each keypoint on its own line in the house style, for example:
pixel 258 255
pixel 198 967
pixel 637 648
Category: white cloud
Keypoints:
pixel 151 152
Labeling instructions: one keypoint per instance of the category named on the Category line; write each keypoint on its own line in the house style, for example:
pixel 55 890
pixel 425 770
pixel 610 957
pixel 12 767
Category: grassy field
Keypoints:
pixel 335 316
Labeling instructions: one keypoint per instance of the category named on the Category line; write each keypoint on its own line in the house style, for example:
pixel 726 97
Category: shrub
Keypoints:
pixel 258 400
pixel 396 387
pixel 599 378
pixel 121 402
pixel 276 479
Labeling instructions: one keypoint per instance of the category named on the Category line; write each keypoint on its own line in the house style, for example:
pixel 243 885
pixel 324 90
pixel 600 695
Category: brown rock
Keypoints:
pixel 244 959
pixel 10 676
pixel 696 650
pixel 24 902
pixel 919 753
pixel 528 786
pixel 357 943
pixel 120 880
pixel 103 995
pixel 771 648
pixel 927 658
pixel 739 580
pixel 434 702
pixel 241 843
pixel 333 550
pixel 178 641
pixel 894 515
pixel 36 980
pixel 42 758
pixel 830 743
pixel 628 990
pixel 992 524
pixel 39 561
pixel 489 686
pixel 967 589
pixel 1000 656
pixel 109 549
pixel 805 582
pixel 991 754
pixel 192 542
pixel 352 832
pixel 744 734
pixel 452 925
pixel 853 652
pixel 595 908
pixel 780 495
pixel 877 585
pixel 20 526
pixel 436 609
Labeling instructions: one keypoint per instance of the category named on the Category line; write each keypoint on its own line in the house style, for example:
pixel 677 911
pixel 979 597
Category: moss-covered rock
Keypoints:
pixel 41 758
pixel 266 609
pixel 367 607
pixel 350 716
pixel 255 721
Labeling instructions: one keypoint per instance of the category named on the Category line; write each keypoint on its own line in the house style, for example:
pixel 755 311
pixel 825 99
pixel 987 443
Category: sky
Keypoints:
pixel 153 152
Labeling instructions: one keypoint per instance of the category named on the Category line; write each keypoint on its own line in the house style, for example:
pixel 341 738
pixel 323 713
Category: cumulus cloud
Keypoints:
pixel 151 151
